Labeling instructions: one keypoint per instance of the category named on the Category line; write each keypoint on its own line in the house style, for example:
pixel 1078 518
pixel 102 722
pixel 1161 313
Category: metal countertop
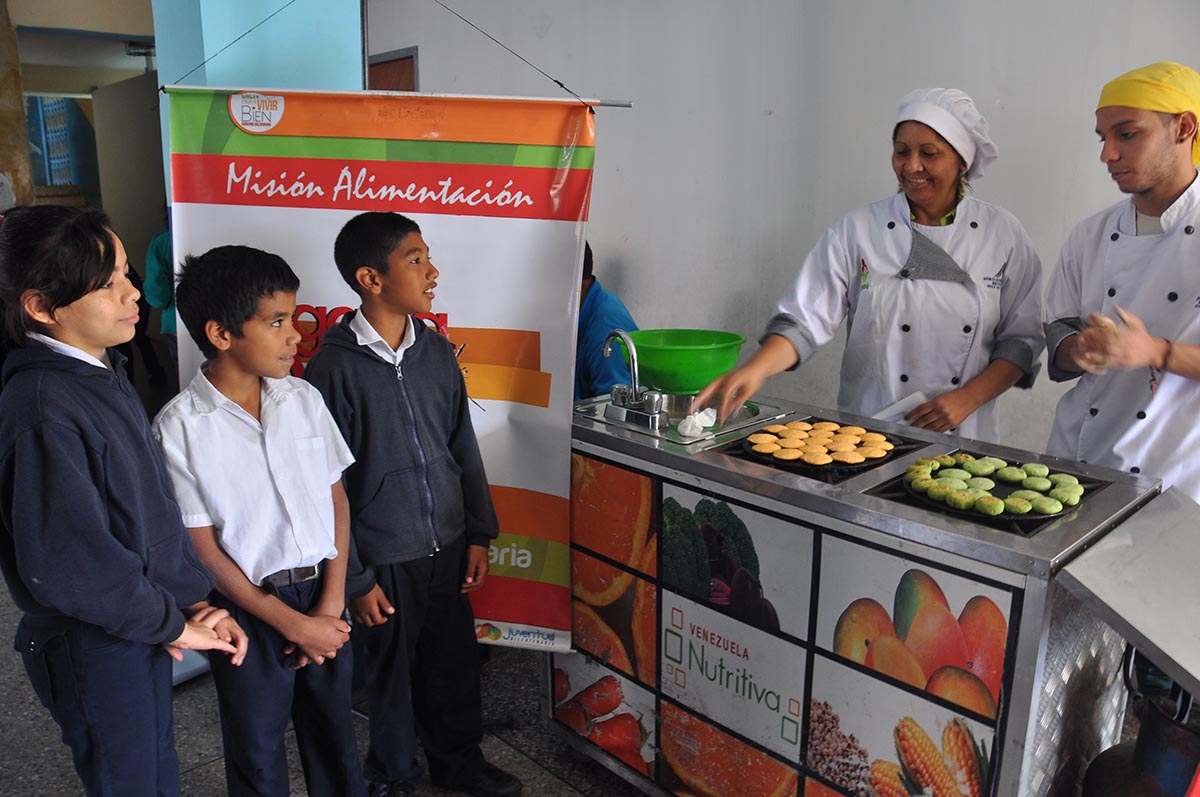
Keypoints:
pixel 1038 555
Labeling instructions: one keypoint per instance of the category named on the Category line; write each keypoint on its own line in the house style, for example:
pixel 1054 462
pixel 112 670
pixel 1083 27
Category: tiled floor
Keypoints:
pixel 33 761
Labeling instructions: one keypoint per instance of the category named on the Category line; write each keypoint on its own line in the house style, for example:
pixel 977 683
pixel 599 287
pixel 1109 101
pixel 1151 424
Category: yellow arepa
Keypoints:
pixel 1165 87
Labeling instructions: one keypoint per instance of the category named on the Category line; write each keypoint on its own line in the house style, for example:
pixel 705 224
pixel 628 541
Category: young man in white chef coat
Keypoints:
pixel 1122 307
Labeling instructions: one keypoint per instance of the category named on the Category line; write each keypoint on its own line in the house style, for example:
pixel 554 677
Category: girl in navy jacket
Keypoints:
pixel 92 546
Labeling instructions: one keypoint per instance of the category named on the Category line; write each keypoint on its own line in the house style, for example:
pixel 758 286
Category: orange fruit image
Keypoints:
pixel 963 688
pixel 645 623
pixel 814 788
pixel 862 621
pixel 986 632
pixel 610 514
pixel 713 764
pixel 890 656
pixel 596 582
pixel 592 635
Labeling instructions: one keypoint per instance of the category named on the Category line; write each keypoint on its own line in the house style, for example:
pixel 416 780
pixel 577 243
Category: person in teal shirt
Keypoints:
pixel 160 286
pixel 600 312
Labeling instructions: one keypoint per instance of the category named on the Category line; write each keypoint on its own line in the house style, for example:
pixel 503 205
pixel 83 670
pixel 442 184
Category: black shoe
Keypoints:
pixel 490 781
pixel 379 788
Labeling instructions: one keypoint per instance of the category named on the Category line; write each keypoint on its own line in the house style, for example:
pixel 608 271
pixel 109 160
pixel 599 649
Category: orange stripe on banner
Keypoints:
pixel 500 383
pixel 515 600
pixel 532 514
pixel 414 118
pixel 517 348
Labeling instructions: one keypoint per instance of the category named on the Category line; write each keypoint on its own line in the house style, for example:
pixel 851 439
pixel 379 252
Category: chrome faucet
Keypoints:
pixel 633 404
pixel 635 392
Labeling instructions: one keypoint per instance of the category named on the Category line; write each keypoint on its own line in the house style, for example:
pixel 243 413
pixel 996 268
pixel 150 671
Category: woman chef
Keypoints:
pixel 940 291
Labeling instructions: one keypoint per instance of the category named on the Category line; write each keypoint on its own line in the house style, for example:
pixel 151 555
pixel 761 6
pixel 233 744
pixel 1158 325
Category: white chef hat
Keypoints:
pixel 953 115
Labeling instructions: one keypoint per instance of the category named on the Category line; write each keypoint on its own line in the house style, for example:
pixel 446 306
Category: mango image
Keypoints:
pixel 889 656
pixel 936 639
pixel 961 687
pixel 986 633
pixel 862 621
pixel 915 589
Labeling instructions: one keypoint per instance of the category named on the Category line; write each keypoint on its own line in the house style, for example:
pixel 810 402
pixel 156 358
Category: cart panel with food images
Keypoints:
pixel 828 631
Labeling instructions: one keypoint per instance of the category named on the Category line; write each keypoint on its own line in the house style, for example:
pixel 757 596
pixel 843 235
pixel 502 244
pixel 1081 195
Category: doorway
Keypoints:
pixel 393 71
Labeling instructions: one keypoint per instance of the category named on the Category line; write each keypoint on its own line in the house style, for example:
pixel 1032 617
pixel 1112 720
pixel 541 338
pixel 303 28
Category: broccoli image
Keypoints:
pixel 735 538
pixel 684 554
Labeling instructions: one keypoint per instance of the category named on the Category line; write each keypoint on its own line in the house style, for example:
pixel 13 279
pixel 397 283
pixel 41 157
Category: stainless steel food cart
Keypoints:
pixel 764 699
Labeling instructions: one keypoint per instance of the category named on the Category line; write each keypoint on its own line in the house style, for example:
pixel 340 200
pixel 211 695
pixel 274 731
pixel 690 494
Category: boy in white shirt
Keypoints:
pixel 256 461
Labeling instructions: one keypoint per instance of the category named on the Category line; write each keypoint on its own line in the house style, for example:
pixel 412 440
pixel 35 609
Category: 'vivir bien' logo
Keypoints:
pixel 255 113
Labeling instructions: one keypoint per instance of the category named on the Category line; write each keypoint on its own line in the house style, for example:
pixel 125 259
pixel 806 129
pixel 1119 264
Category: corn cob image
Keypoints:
pixel 922 761
pixel 958 748
pixel 885 779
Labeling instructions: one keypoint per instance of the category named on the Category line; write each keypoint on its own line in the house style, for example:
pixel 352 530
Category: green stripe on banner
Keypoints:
pixel 190 119
pixel 532 558
pixel 200 125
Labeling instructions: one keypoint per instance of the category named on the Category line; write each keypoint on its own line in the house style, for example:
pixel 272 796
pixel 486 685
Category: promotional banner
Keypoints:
pixel 500 189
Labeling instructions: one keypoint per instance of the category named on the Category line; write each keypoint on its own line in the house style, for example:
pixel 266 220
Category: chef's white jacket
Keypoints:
pixel 1113 419
pixel 926 312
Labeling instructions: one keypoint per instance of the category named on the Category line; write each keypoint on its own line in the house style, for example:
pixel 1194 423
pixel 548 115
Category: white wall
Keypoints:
pixel 756 124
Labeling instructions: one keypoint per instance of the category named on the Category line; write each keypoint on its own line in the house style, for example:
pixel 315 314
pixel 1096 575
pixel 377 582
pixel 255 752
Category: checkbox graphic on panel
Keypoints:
pixel 677 618
pixel 673 646
pixel 789 730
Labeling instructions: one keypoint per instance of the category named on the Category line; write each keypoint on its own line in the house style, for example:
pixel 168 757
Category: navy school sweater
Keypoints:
pixel 90 525
pixel 417 482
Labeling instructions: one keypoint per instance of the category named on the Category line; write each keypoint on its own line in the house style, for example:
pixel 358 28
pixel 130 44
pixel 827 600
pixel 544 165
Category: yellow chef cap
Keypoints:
pixel 1165 87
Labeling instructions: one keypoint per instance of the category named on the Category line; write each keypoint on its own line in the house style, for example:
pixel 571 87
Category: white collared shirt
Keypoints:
pixel 368 337
pixel 67 349
pixel 266 488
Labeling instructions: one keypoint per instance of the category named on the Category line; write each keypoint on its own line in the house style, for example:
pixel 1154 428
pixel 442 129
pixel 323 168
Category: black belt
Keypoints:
pixel 286 578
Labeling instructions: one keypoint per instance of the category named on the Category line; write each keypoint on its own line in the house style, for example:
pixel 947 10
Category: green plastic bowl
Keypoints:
pixel 684 360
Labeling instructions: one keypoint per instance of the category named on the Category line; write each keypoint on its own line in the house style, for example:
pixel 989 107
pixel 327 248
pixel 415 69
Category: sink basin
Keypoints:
pixel 676 406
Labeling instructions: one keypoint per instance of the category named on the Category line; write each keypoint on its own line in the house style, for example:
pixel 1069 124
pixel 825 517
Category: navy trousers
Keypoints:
pixel 423 673
pixel 112 700
pixel 259 698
